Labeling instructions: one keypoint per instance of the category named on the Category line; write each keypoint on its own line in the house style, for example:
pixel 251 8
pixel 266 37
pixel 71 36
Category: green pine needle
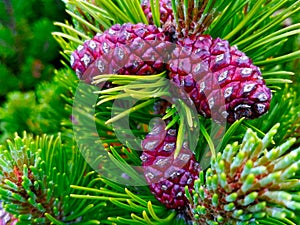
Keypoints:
pixel 137 208
pixel 35 176
pixel 237 176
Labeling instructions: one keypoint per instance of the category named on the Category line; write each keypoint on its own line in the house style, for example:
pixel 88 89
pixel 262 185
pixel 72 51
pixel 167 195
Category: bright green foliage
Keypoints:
pixel 248 184
pixel 138 205
pixel 36 174
pixel 27 49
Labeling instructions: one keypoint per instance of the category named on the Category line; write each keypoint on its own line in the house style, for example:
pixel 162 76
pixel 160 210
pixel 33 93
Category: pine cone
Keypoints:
pixel 137 49
pixel 167 176
pixel 220 79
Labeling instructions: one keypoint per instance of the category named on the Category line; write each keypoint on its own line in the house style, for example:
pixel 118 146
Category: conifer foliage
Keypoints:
pixel 216 77
pixel 28 52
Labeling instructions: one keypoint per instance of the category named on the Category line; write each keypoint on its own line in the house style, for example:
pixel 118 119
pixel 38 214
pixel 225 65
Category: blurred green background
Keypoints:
pixel 28 53
pixel 29 56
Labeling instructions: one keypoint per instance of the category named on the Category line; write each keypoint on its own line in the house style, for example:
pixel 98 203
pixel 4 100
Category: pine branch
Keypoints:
pixel 138 205
pixel 35 179
pixel 231 190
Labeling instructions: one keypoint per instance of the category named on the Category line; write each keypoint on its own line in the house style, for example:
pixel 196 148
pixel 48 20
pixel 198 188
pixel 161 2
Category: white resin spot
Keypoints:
pixel 169 5
pixel 248 87
pixel 100 66
pixel 258 70
pixel 242 106
pixel 105 47
pixel 143 158
pixel 150 145
pixel 223 76
pixel 92 45
pixel 243 58
pixel 72 60
pixel 202 86
pixel 169 147
pixel 225 114
pixel 228 92
pixel 197 68
pixel 199 50
pixel 189 181
pixel 262 97
pixel 202 112
pixel 220 57
pixel 196 165
pixel 155 130
pixel 162 162
pixel 185 145
pixel 141 44
pixel 79 48
pixel 78 72
pixel 149 175
pixel 172 132
pixel 111 31
pixel 179 194
pixel 246 72
pixel 5 217
pixel 184 157
pixel 173 175
pixel 261 108
pixel 121 53
pixel 211 102
pixel 127 35
pixel 86 59
pixel 164 187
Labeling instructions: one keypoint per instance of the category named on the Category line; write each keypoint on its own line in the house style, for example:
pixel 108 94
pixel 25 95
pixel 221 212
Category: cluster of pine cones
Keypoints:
pixel 220 80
